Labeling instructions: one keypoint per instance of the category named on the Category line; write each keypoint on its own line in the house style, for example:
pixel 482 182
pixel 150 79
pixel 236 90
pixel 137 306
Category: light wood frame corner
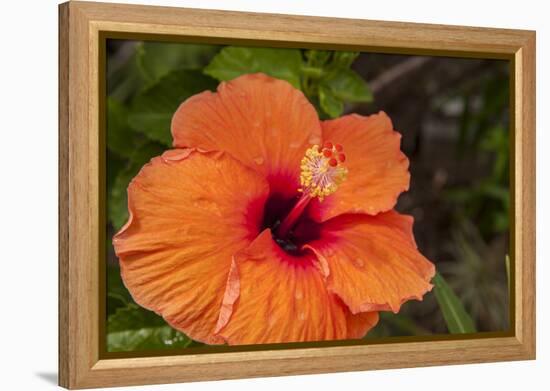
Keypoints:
pixel 80 27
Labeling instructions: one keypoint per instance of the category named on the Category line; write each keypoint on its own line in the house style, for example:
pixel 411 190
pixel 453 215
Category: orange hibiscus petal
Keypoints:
pixel 274 297
pixel 377 169
pixel 371 262
pixel 265 123
pixel 190 212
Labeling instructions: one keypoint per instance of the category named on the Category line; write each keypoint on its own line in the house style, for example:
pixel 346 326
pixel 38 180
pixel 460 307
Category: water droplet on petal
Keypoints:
pixel 314 139
pixel 295 144
pixel 207 205
pixel 298 294
pixel 259 160
pixel 302 316
pixel 175 155
pixel 359 262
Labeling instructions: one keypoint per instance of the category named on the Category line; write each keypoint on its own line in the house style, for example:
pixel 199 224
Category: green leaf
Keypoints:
pixel 347 86
pixel 157 59
pixel 155 126
pixel 120 137
pixel 500 221
pixel 147 338
pixel 124 79
pixel 457 319
pixel 117 204
pixel 329 103
pixel 403 324
pixel 117 201
pixel 117 294
pixel 344 59
pixel 115 163
pixel 131 327
pixel 149 62
pixel 233 61
pixel 152 110
pixel 317 58
pixel 133 317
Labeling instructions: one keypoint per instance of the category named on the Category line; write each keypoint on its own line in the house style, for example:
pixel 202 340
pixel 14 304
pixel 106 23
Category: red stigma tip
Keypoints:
pixel 327 145
pixel 332 162
pixel 327 153
pixel 339 147
pixel 342 157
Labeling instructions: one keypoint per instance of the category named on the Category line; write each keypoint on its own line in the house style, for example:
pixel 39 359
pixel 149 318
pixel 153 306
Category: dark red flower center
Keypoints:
pixel 321 172
pixel 303 230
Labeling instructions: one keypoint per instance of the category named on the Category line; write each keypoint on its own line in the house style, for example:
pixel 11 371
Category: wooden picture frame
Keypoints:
pixel 81 25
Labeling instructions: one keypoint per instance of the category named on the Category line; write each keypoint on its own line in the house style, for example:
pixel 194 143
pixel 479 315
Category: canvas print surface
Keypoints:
pixel 262 195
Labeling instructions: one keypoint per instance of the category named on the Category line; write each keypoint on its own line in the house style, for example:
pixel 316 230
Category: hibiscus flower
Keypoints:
pixel 265 224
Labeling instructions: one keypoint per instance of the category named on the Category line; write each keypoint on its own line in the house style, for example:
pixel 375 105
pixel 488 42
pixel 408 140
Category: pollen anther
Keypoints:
pixel 321 172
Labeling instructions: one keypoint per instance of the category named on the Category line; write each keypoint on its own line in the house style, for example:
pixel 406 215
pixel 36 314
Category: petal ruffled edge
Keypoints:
pixel 377 168
pixel 292 305
pixel 265 123
pixel 371 262
pixel 154 244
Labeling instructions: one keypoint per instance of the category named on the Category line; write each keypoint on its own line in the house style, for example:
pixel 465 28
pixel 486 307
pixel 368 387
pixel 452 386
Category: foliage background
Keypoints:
pixel 452 113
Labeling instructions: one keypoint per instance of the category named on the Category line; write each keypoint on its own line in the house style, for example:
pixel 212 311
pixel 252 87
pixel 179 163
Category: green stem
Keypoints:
pixel 313 72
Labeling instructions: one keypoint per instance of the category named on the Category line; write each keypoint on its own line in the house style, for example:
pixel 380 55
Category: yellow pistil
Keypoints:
pixel 322 170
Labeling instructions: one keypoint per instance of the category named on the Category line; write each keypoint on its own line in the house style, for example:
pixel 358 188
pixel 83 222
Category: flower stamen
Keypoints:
pixel 321 174
pixel 322 171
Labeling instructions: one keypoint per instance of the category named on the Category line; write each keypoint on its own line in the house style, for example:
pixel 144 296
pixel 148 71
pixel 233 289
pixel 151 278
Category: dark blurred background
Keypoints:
pixel 454 117
pixel 453 114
